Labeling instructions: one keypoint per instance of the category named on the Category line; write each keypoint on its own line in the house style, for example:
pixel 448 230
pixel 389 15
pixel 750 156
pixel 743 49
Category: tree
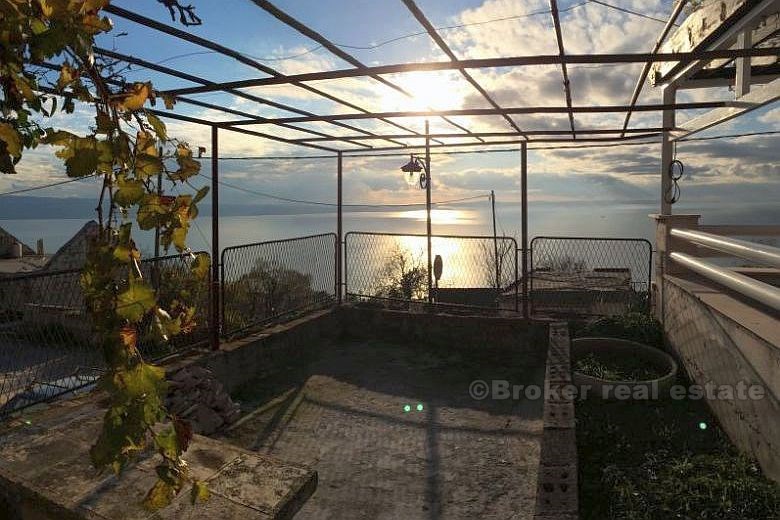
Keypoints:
pixel 403 277
pixel 267 291
pixel 127 147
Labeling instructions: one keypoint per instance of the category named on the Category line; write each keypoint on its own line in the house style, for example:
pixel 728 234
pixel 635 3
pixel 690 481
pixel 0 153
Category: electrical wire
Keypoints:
pixel 332 204
pixel 371 46
pixel 629 11
pixel 405 154
pixel 50 185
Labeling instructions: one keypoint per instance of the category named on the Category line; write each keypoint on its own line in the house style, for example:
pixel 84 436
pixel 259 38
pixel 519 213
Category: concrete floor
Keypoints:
pixel 342 413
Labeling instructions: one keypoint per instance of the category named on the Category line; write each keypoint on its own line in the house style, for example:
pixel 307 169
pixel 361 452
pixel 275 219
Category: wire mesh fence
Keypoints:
pixel 476 271
pixel 47 346
pixel 589 276
pixel 280 279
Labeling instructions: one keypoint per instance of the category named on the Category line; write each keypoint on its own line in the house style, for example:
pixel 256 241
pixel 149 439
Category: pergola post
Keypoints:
pixel 743 65
pixel 669 94
pixel 524 225
pixel 215 264
pixel 667 148
pixel 428 207
pixel 339 275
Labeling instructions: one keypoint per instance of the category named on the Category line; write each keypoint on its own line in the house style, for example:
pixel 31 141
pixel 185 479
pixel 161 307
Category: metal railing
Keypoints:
pixel 745 285
pixel 47 346
pixel 477 271
pixel 270 281
pixel 589 275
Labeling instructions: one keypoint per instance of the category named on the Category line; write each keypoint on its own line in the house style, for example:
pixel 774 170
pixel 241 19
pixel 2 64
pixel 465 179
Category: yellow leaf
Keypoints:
pixel 200 493
pixel 67 75
pixel 160 495
pixel 46 8
pixel 13 143
pixel 136 97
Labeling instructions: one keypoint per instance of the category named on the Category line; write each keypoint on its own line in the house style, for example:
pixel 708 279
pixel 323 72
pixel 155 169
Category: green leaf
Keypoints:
pixel 159 126
pixel 151 212
pixel 143 381
pixel 201 194
pixel 200 492
pixel 135 301
pixel 84 162
pixel 129 192
pixel 167 442
pixel 147 165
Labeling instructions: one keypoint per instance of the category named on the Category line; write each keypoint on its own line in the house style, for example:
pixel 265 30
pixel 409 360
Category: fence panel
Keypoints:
pixel 46 342
pixel 589 275
pixel 478 271
pixel 271 281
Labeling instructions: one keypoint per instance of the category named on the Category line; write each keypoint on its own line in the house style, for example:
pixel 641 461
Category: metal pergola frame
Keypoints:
pixel 730 46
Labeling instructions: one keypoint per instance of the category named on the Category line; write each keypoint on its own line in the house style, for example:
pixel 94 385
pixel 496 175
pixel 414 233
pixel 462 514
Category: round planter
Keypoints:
pixel 621 348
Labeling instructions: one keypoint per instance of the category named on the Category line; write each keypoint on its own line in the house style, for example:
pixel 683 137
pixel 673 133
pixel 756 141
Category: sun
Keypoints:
pixel 430 90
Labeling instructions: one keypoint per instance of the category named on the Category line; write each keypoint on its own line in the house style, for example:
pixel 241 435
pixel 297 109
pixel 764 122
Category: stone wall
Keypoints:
pixel 721 340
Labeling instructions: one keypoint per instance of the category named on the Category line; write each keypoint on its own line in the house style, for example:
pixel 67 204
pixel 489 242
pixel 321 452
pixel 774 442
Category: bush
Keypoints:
pixel 633 326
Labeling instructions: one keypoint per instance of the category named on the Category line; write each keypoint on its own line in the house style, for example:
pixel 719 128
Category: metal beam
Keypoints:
pixel 657 47
pixel 333 48
pixel 196 79
pixel 512 61
pixel 756 98
pixel 196 120
pixel 225 51
pixel 562 53
pixel 431 30
pixel 590 131
pixel 490 112
pixel 636 139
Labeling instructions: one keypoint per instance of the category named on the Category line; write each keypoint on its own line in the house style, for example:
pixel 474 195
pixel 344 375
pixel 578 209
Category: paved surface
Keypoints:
pixel 46 473
pixel 343 414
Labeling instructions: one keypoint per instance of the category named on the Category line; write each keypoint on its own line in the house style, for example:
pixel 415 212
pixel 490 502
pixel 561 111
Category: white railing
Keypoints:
pixel 760 253
pixel 750 287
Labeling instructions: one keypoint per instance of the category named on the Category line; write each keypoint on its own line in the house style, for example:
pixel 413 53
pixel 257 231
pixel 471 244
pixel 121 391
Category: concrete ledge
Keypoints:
pixel 45 473
pixel 557 491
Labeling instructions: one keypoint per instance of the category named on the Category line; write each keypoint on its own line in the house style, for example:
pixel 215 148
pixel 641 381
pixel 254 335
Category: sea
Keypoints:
pixel 629 220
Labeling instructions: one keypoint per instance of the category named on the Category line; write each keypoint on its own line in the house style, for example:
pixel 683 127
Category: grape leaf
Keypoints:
pixel 135 301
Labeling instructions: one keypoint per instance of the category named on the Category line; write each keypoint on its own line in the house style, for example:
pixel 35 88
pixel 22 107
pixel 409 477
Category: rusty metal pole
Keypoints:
pixel 215 273
pixel 524 229
pixel 428 206
pixel 339 231
pixel 495 242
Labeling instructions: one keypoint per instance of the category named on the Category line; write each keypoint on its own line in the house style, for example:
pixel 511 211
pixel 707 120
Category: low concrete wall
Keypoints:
pixel 261 354
pixel 446 330
pixel 238 362
pixel 725 341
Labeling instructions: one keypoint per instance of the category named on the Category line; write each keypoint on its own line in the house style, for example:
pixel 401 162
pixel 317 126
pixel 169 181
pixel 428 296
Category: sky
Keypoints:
pixel 734 170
